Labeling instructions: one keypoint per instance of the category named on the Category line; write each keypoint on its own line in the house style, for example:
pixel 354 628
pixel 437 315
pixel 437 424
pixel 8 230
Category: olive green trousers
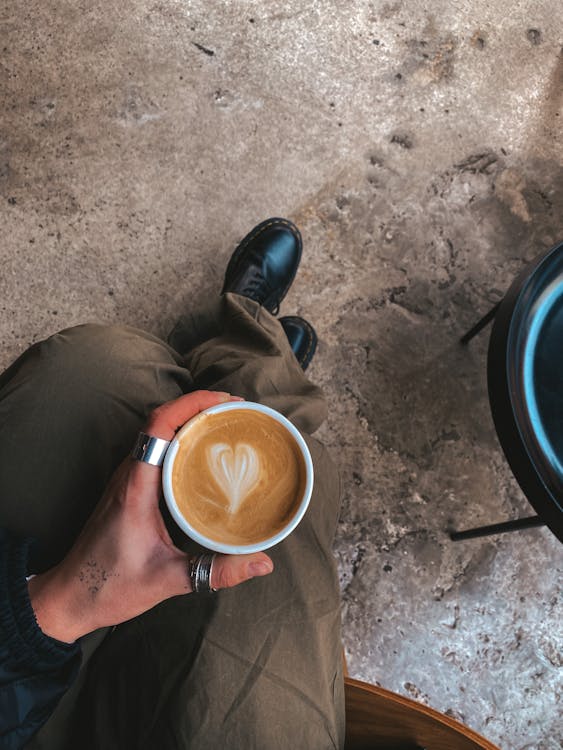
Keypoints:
pixel 256 666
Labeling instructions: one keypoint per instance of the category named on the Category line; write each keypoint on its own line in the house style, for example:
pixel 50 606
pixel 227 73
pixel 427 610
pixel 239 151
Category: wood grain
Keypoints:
pixel 377 719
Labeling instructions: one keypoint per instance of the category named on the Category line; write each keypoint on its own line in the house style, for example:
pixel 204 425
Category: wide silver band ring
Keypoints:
pixel 199 569
pixel 150 450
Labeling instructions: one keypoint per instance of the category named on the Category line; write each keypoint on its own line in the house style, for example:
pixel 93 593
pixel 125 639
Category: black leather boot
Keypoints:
pixel 302 338
pixel 265 263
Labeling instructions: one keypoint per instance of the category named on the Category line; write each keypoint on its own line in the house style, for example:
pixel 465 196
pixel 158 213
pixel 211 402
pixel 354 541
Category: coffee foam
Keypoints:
pixel 238 477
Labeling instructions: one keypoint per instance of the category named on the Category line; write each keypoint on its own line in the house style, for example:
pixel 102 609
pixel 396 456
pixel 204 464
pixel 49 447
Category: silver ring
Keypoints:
pixel 150 450
pixel 199 569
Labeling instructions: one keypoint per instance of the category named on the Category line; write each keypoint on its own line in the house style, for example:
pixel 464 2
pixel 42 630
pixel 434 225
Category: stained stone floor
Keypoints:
pixel 418 146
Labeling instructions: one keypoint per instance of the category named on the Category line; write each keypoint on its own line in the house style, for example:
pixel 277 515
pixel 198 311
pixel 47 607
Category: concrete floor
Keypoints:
pixel 418 146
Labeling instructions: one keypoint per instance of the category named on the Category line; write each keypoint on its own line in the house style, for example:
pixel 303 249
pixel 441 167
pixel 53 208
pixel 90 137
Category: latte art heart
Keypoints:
pixel 236 471
pixel 238 476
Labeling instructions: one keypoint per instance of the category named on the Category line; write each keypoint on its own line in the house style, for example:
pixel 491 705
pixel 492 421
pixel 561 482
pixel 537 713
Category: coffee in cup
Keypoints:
pixel 238 477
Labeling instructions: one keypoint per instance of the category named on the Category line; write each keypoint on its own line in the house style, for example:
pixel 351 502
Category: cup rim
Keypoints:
pixel 211 544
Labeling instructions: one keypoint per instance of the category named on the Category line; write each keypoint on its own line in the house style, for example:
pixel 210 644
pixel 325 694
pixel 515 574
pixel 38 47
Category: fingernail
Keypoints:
pixel 224 397
pixel 259 568
pixel 237 398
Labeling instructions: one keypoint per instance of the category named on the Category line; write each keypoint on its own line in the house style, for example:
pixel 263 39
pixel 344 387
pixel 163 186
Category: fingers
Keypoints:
pixel 230 570
pixel 143 479
pixel 165 420
pixel 227 571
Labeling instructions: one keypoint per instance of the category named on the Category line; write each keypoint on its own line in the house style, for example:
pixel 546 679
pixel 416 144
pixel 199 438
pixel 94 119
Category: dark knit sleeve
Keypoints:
pixel 35 670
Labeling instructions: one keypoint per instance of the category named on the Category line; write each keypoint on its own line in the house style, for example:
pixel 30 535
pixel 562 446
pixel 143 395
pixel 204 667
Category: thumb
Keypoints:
pixel 230 570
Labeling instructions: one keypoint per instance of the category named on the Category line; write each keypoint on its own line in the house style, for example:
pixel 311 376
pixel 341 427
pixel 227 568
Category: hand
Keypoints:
pixel 124 562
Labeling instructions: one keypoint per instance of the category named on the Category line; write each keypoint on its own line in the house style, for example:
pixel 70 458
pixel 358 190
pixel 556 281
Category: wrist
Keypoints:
pixel 55 607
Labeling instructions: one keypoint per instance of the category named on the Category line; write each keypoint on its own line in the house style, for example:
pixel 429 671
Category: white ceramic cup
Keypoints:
pixel 211 544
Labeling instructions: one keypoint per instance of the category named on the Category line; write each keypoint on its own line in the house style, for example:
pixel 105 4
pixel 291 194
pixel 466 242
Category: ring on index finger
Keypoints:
pixel 150 450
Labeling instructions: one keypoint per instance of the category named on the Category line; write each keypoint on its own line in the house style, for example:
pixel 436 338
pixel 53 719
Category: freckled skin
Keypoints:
pixel 93 576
